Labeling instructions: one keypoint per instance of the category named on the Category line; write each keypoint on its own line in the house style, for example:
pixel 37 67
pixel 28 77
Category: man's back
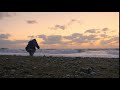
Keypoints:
pixel 32 44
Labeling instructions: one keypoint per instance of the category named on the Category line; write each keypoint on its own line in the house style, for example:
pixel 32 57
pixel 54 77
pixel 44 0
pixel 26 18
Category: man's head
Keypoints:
pixel 34 39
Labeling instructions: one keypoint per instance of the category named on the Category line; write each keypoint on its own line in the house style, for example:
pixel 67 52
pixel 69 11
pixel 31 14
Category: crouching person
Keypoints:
pixel 31 47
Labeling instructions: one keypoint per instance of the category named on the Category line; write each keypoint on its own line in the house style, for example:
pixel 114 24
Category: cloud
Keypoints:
pixel 4 36
pixel 19 41
pixel 85 39
pixel 6 43
pixel 92 31
pixel 12 44
pixel 6 14
pixel 77 35
pixel 91 37
pixel 105 29
pixel 80 38
pixel 103 35
pixel 31 21
pixel 31 37
pixel 97 30
pixel 53 39
pixel 73 36
pixel 56 39
pixel 104 42
pixel 73 21
pixel 113 39
pixel 60 27
pixel 56 27
pixel 42 36
pixel 63 27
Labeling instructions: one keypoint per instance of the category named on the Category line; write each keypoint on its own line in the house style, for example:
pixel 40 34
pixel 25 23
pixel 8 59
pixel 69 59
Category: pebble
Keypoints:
pixel 93 73
pixel 68 75
pixel 6 58
pixel 82 73
pixel 34 67
pixel 13 70
pixel 87 71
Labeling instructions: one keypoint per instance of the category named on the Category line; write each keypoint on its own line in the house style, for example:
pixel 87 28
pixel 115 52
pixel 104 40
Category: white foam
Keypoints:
pixel 65 53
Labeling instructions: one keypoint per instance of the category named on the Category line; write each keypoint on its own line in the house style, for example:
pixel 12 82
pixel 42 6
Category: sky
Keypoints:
pixel 60 30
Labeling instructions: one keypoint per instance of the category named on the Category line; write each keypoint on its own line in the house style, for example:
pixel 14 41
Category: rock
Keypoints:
pixel 76 71
pixel 34 67
pixel 82 73
pixel 93 73
pixel 13 70
pixel 76 75
pixel 6 58
pixel 87 70
pixel 68 75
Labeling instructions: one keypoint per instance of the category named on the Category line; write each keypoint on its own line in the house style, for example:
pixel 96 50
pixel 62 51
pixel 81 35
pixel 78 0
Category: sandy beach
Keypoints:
pixel 58 67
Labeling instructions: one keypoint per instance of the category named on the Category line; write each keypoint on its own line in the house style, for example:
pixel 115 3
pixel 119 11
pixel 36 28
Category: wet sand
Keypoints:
pixel 58 67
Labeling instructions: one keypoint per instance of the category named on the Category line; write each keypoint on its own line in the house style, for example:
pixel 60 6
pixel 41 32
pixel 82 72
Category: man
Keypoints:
pixel 31 47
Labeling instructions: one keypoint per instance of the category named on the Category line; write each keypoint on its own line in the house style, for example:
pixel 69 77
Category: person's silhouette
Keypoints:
pixel 31 47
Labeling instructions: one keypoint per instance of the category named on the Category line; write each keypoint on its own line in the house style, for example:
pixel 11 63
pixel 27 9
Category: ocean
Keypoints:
pixel 104 53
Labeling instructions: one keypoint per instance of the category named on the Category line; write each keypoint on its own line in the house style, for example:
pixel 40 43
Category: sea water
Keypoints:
pixel 104 53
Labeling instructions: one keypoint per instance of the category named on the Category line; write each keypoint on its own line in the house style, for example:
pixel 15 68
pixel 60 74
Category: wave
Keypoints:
pixel 109 53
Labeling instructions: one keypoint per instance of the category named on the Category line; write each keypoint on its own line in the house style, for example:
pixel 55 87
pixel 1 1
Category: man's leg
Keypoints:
pixel 32 52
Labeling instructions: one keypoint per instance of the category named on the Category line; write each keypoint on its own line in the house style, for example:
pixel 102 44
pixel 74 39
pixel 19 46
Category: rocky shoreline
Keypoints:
pixel 58 67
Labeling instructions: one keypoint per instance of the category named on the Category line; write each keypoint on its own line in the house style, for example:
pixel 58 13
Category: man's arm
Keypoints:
pixel 37 45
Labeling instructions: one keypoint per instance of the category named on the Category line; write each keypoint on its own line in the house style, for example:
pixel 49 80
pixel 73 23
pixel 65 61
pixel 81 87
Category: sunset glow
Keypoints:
pixel 60 30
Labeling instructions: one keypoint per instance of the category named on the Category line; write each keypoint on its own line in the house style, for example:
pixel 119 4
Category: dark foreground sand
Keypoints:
pixel 58 67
